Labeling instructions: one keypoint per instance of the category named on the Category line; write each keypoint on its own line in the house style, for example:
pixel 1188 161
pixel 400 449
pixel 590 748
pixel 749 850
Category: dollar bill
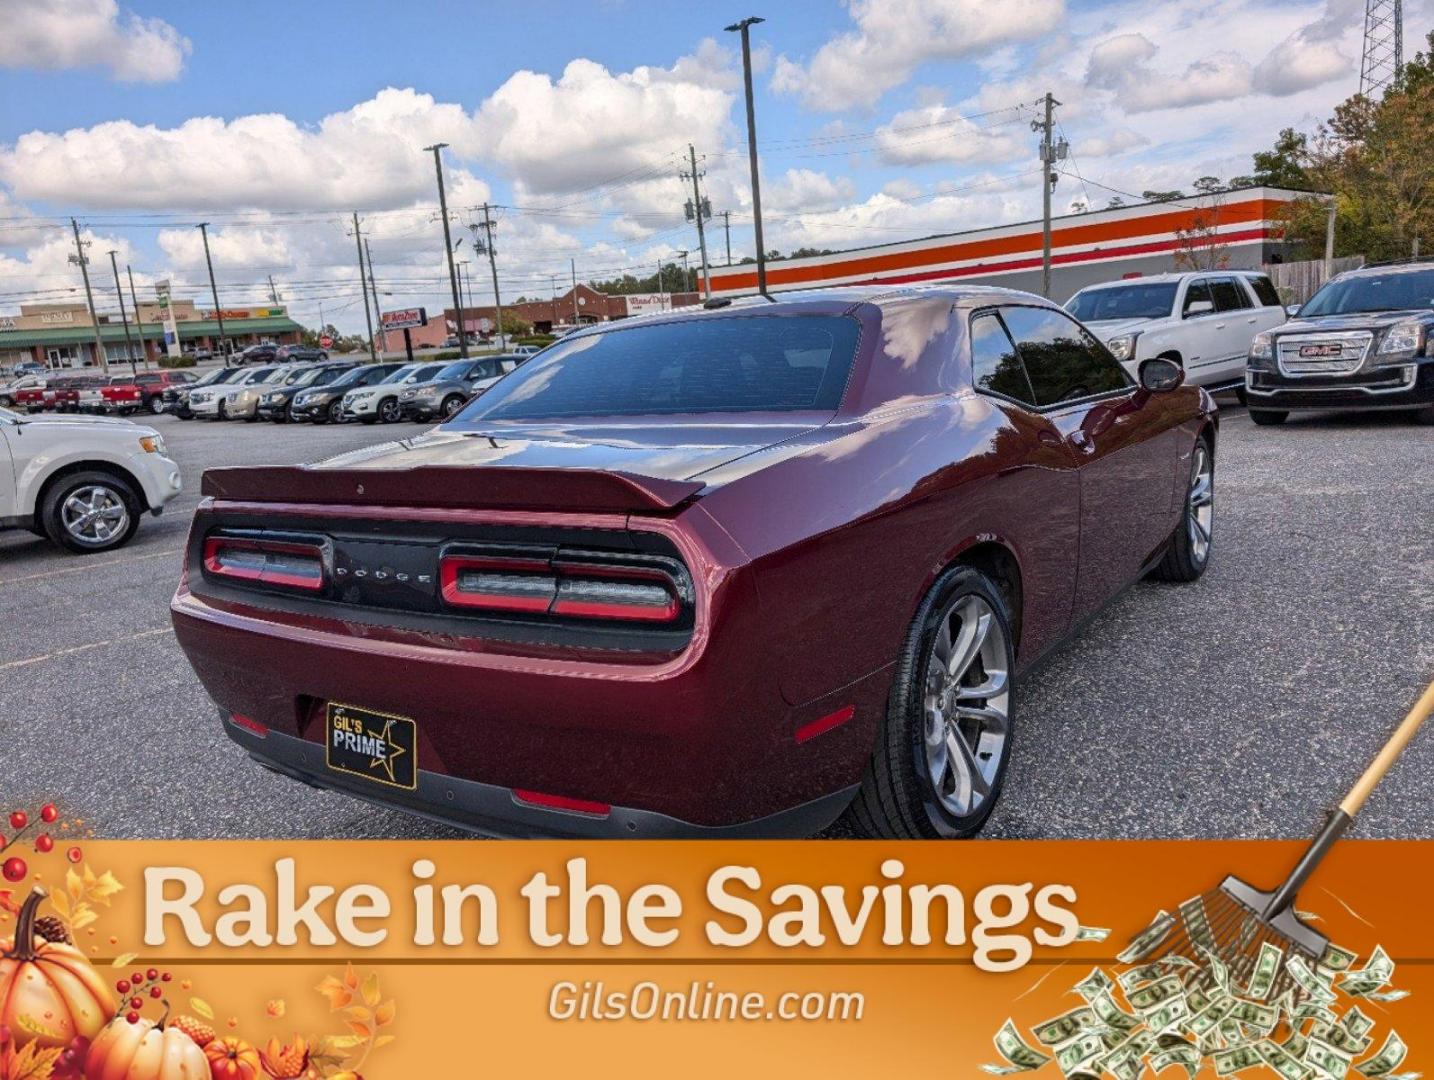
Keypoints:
pixel 1236 1058
pixel 1308 981
pixel 1152 995
pixel 1267 966
pixel 1375 974
pixel 1186 1055
pixel 1149 939
pixel 1391 1055
pixel 1063 1028
pixel 1208 1019
pixel 1020 1056
pixel 1217 969
pixel 1168 1015
pixel 1081 1051
pixel 1197 923
pixel 1094 984
pixel 1355 1022
pixel 1112 1015
pixel 1282 1061
pixel 1257 1015
pixel 1295 1044
pixel 1387 995
pixel 1327 1059
pixel 1336 959
pixel 1092 933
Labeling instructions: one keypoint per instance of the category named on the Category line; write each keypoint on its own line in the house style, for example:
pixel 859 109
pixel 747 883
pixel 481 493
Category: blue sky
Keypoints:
pixel 879 120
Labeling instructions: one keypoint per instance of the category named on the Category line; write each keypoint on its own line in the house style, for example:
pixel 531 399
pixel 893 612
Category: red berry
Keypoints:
pixel 152 974
pixel 43 844
pixel 122 986
pixel 15 869
pixel 155 992
pixel 19 819
pixel 49 814
pixel 132 1017
pixel 165 977
pixel 74 854
pixel 136 1003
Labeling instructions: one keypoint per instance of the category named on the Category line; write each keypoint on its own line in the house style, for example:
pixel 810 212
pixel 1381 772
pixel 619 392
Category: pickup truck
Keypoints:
pixel 63 394
pixel 128 394
pixel 1203 321
pixel 10 391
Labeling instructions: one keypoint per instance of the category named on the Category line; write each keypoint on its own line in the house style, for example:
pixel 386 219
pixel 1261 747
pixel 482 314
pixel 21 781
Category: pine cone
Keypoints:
pixel 52 929
pixel 197 1030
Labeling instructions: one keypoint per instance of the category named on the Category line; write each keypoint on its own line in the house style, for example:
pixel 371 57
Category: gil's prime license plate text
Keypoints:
pixel 376 746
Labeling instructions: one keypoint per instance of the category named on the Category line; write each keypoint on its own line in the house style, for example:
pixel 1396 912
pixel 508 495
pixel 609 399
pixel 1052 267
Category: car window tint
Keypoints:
pixel 745 363
pixel 1228 295
pixel 1265 290
pixel 1198 290
pixel 1063 362
pixel 995 364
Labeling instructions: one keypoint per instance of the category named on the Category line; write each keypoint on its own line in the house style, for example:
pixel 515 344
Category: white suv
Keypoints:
pixel 82 481
pixel 1204 321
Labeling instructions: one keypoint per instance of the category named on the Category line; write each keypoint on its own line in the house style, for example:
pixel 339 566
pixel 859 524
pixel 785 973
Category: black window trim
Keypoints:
pixel 1030 407
pixel 995 312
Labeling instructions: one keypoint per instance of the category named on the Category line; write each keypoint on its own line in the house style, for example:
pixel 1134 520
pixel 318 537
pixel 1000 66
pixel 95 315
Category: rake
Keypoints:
pixel 1235 920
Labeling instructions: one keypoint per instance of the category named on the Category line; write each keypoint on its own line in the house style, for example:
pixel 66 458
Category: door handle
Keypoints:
pixel 1082 442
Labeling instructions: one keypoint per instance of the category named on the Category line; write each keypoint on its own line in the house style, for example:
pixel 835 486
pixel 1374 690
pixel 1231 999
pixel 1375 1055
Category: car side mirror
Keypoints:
pixel 1292 309
pixel 1160 375
pixel 1198 307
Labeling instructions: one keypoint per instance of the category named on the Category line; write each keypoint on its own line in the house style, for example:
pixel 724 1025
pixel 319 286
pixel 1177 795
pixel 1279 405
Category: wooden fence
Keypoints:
pixel 1297 281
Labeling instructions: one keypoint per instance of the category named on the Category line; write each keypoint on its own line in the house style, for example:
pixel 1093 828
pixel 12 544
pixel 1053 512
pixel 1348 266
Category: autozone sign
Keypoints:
pixel 405 318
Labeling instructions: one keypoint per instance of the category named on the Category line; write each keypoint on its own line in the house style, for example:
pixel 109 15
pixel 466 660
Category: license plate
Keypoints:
pixel 1315 351
pixel 375 746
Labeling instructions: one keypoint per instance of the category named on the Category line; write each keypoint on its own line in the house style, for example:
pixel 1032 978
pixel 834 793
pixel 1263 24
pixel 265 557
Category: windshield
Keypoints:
pixel 1400 290
pixel 402 373
pixel 1154 300
pixel 453 372
pixel 743 364
pixel 348 378
pixel 323 376
pixel 301 377
pixel 416 373
pixel 256 376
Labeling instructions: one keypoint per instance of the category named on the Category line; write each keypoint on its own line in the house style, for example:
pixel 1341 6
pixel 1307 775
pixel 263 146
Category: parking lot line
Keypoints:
pixel 88 566
pixel 86 648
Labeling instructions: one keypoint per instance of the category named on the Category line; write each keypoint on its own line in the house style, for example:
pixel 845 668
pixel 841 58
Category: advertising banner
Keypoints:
pixel 404 318
pixel 166 316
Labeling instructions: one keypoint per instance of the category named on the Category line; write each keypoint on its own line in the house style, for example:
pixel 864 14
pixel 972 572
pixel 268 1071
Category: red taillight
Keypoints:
pixel 562 802
pixel 825 724
pixel 251 726
pixel 267 562
pixel 567 587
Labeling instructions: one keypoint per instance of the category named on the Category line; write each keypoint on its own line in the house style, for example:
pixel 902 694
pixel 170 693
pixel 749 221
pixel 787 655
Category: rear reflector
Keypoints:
pixel 600 589
pixel 825 724
pixel 562 802
pixel 251 726
pixel 267 562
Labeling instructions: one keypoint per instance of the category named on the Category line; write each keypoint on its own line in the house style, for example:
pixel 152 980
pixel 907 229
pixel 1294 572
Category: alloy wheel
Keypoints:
pixel 94 515
pixel 1202 503
pixel 156 405
pixel 389 411
pixel 966 706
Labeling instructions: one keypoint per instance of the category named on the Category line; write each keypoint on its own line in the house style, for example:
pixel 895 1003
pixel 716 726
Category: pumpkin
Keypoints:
pixel 144 1050
pixel 49 993
pixel 231 1058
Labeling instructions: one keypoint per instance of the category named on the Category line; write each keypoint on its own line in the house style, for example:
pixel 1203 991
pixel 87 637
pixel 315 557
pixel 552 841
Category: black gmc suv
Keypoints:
pixel 1365 340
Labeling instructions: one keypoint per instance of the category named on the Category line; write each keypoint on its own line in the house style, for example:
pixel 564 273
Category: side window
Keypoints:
pixel 1198 292
pixel 995 365
pixel 1063 362
pixel 1265 289
pixel 1228 295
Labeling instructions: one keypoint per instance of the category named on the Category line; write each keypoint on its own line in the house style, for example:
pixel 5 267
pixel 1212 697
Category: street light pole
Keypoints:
pixel 373 288
pixel 437 150
pixel 80 258
pixel 744 27
pixel 138 322
pixel 573 266
pixel 119 295
pixel 488 227
pixel 363 290
pixel 203 228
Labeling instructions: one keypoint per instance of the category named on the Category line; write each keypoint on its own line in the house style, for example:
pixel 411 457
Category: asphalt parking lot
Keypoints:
pixel 1240 706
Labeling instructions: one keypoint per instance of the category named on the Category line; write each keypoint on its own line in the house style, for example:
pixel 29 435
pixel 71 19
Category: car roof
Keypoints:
pixel 1174 276
pixel 1385 268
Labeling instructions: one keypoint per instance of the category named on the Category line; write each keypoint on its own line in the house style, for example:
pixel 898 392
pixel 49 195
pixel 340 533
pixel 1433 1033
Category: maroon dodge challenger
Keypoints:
pixel 736 571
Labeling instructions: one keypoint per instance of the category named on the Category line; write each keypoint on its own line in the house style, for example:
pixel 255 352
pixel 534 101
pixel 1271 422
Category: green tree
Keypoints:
pixel 1281 166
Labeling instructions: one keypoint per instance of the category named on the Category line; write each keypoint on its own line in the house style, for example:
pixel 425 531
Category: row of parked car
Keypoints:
pixel 341 391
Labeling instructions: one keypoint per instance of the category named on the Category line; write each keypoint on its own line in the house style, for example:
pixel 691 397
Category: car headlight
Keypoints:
pixel 1405 337
pixel 301 399
pixel 1263 346
pixel 152 444
pixel 408 394
pixel 1122 346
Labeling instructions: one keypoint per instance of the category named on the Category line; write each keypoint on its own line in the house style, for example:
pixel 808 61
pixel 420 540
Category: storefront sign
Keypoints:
pixel 405 318
pixel 57 316
pixel 7 323
pixel 646 303
pixel 166 314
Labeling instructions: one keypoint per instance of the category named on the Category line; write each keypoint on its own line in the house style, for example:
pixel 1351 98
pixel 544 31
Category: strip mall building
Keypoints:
pixel 1239 229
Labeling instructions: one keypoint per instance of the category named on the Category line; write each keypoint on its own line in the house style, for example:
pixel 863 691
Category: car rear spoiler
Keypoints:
pixel 452 487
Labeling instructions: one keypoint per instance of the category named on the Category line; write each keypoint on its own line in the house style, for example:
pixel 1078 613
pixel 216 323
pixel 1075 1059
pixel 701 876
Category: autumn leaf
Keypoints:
pixel 7 902
pixel 202 1007
pixel 359 1013
pixel 384 1014
pixel 32 1062
pixel 337 993
pixel 123 960
pixel 351 979
pixel 363 1031
pixel 74 885
pixel 276 1008
pixel 61 903
pixel 371 994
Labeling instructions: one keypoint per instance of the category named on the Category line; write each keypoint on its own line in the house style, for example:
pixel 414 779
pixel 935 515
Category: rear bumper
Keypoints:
pixel 1409 387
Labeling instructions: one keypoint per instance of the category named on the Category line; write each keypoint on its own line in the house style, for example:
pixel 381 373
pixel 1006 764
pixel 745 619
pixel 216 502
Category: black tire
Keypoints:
pixel 451 404
pixel 336 412
pixel 1241 396
pixel 6 402
pixel 389 411
pixel 896 800
pixel 1183 560
pixel 1269 417
pixel 221 413
pixel 156 405
pixel 52 505
pixel 185 414
pixel 288 416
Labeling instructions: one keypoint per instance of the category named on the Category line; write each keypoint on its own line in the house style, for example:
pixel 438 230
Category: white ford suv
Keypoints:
pixel 82 481
pixel 1203 321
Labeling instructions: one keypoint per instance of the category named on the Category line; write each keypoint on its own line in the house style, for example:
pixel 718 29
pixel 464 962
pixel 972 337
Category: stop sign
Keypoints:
pixel 325 341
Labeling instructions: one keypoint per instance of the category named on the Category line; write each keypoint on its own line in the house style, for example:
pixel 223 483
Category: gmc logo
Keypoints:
pixel 1315 351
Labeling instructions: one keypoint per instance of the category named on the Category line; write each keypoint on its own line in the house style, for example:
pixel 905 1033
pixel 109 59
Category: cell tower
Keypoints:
pixel 1383 46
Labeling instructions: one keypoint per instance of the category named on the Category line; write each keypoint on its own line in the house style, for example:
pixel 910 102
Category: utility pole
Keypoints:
pixel 573 265
pixel 1329 240
pixel 685 271
pixel 1051 152
pixel 273 292
pixel 465 292
pixel 79 258
pixel 363 288
pixel 373 287
pixel 203 228
pixel 437 150
pixel 727 228
pixel 744 27
pixel 486 244
pixel 124 318
pixel 138 321
pixel 699 208
pixel 661 306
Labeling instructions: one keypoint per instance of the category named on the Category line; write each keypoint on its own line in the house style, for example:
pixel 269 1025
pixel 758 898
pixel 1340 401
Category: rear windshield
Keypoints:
pixel 1398 291
pixel 698 365
pixel 1152 301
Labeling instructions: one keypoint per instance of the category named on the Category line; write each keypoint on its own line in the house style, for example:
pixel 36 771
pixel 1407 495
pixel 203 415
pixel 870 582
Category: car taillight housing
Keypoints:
pixel 615 586
pixel 284 564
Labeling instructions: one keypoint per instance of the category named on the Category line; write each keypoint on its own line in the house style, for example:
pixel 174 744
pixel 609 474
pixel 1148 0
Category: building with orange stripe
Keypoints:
pixel 1235 229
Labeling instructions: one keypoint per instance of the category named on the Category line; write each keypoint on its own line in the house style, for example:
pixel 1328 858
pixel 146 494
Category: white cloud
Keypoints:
pixel 938 132
pixel 1123 64
pixel 892 38
pixel 1311 56
pixel 1116 141
pixel 55 35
